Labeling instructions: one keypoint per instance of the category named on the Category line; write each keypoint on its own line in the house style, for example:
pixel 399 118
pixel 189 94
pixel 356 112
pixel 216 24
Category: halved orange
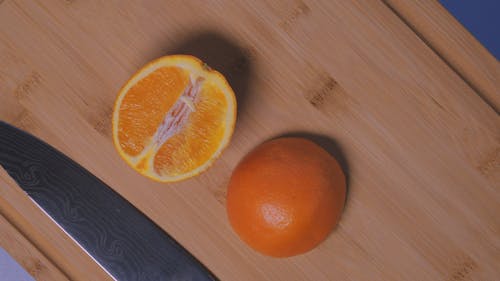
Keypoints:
pixel 173 118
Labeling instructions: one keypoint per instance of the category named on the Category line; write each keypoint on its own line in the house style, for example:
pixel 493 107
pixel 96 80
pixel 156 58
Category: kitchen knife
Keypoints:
pixel 121 239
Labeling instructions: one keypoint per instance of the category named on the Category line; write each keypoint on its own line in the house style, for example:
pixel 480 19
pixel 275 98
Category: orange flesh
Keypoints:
pixel 145 104
pixel 199 139
pixel 154 114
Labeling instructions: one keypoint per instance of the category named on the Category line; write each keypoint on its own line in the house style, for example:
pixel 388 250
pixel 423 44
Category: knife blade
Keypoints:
pixel 119 237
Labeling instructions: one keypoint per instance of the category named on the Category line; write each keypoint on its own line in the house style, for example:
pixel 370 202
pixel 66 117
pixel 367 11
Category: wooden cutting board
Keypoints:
pixel 417 137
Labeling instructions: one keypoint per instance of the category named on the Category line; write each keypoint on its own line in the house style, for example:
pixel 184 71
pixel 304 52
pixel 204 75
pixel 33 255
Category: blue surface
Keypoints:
pixel 481 18
pixel 10 270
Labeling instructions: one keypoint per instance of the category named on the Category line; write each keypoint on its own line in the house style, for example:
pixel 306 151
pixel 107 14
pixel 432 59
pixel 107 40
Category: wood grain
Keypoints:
pixel 454 44
pixel 421 147
pixel 28 256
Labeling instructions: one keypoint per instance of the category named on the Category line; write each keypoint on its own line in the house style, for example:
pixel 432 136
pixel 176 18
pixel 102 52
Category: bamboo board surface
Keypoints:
pixel 32 259
pixel 447 37
pixel 420 146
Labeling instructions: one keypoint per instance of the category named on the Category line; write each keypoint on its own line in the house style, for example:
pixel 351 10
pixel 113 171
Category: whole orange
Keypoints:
pixel 286 196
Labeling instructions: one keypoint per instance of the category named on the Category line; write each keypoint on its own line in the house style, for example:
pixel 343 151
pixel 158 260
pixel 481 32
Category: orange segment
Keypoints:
pixel 185 151
pixel 173 118
pixel 144 106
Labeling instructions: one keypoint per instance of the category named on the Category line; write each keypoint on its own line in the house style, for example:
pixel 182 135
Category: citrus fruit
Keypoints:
pixel 173 118
pixel 285 197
